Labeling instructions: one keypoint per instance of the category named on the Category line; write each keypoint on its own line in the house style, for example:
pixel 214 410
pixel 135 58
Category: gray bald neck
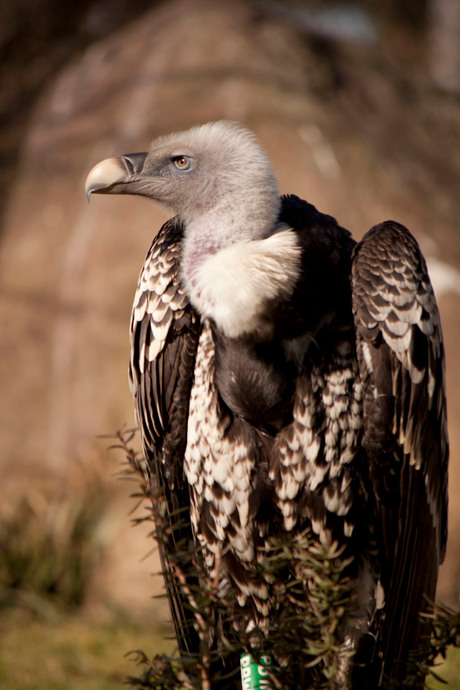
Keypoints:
pixel 238 216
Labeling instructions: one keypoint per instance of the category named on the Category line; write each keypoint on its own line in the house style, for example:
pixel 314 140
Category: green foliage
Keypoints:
pixel 49 547
pixel 445 636
pixel 309 578
pixel 305 648
pixel 304 577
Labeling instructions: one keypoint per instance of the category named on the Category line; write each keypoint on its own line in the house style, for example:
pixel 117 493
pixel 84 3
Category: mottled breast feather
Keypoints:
pixel 400 353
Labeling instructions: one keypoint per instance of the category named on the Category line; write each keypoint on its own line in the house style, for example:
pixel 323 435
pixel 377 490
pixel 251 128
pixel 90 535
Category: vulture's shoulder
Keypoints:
pixel 314 228
pixel 324 287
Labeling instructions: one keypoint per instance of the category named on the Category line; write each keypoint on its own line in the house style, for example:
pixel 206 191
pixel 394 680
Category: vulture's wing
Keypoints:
pixel 164 334
pixel 401 361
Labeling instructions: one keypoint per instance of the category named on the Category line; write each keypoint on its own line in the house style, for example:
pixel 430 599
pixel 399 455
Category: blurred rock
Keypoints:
pixel 346 127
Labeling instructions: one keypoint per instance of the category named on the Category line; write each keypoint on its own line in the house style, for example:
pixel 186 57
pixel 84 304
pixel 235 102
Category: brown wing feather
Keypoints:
pixel 164 335
pixel 401 361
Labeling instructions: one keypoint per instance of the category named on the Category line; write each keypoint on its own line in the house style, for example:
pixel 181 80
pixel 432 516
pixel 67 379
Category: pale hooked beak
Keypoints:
pixel 116 175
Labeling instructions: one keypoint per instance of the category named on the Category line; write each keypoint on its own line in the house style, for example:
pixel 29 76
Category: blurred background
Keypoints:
pixel 358 106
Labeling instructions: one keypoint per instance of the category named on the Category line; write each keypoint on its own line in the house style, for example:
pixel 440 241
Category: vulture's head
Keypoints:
pixel 236 256
pixel 216 168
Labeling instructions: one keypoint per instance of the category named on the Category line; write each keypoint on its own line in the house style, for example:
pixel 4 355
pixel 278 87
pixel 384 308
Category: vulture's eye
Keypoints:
pixel 182 162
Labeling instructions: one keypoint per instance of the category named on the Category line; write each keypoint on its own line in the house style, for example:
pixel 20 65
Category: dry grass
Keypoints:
pixel 74 653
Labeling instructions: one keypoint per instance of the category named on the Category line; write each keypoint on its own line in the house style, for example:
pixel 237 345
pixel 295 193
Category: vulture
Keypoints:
pixel 286 377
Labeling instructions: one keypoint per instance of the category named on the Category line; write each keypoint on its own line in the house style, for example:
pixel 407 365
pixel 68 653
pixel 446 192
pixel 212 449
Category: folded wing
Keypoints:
pixel 164 334
pixel 401 361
